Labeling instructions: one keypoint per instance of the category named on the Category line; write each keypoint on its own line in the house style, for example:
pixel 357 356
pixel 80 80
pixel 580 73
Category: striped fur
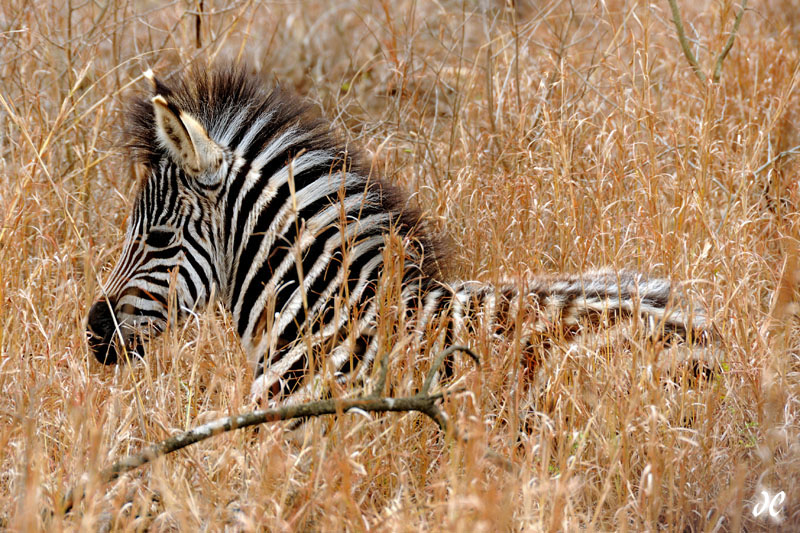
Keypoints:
pixel 248 192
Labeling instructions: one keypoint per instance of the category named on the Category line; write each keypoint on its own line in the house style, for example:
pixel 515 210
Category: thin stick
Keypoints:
pixel 676 19
pixel 687 51
pixel 423 404
pixel 383 371
pixel 729 44
pixel 791 151
pixel 438 362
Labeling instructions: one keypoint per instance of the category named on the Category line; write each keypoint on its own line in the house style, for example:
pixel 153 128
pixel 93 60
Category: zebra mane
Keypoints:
pixel 226 100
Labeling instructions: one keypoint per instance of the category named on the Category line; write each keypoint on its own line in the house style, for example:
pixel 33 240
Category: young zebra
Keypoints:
pixel 247 191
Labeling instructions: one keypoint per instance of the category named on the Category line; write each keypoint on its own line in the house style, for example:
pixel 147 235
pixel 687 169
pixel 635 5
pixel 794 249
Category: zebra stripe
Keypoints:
pixel 248 192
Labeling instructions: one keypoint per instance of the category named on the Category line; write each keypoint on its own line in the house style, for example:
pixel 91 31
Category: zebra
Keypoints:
pixel 249 197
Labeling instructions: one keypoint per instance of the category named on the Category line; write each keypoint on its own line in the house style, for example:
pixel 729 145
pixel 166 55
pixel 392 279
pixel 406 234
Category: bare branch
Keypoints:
pixel 687 51
pixel 729 44
pixel 380 383
pixel 791 151
pixel 676 19
pixel 383 371
pixel 424 404
pixel 438 363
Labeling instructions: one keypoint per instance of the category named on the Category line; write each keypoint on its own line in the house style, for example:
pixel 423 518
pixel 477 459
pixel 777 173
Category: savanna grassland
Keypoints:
pixel 537 137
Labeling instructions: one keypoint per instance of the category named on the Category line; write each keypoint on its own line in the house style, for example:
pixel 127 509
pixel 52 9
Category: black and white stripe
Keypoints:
pixel 248 191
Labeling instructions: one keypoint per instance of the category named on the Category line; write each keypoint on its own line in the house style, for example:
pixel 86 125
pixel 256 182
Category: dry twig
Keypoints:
pixel 424 403
pixel 728 45
pixel 687 51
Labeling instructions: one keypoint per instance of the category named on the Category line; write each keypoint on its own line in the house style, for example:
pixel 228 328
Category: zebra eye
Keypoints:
pixel 159 238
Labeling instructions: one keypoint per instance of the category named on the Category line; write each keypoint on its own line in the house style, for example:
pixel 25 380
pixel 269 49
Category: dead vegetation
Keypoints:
pixel 542 137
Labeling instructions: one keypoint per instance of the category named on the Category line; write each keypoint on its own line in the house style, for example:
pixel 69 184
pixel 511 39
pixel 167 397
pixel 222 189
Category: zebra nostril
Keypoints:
pixel 101 319
pixel 100 332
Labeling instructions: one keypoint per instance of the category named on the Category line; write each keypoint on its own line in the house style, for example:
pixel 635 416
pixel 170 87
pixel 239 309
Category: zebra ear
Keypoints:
pixel 186 139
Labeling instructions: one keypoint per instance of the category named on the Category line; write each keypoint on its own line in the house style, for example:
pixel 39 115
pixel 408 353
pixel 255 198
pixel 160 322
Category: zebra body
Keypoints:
pixel 248 194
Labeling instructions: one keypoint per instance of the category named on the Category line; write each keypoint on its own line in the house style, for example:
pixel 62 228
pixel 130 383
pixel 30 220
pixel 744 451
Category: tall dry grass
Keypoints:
pixel 551 136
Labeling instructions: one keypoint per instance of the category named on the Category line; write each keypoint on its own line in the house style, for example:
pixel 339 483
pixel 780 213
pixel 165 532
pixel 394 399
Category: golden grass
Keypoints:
pixel 545 138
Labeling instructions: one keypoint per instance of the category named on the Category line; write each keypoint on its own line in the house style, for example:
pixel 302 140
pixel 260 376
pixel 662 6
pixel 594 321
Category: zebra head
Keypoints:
pixel 170 239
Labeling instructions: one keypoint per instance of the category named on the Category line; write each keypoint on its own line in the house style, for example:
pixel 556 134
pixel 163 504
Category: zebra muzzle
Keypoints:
pixel 104 337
